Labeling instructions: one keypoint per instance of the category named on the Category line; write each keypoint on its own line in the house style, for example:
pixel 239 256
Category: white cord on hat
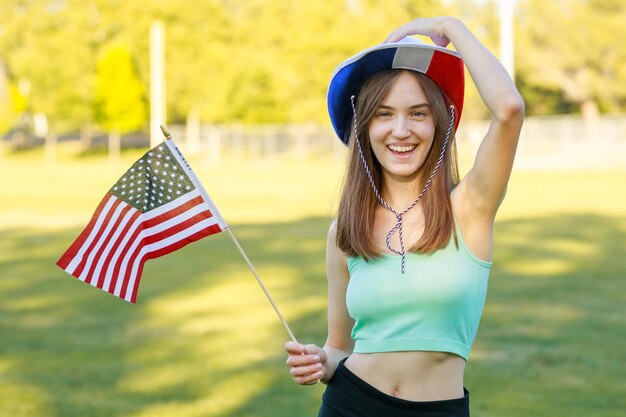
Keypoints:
pixel 398 225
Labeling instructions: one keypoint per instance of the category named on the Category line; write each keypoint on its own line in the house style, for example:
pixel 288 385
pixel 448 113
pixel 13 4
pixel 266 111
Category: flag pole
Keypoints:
pixel 168 136
pixel 267 294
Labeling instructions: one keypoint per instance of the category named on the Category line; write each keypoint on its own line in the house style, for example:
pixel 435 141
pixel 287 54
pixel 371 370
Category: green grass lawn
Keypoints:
pixel 203 341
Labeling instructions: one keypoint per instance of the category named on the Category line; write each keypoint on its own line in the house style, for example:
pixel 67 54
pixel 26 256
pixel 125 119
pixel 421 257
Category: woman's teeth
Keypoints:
pixel 396 148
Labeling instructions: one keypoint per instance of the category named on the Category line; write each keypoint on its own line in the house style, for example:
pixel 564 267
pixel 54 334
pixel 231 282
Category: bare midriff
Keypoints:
pixel 413 376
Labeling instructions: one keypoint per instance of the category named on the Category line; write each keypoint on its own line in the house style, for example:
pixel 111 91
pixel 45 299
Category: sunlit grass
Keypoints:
pixel 203 340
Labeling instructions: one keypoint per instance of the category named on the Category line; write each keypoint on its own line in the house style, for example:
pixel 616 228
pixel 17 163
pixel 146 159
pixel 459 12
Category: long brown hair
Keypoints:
pixel 355 219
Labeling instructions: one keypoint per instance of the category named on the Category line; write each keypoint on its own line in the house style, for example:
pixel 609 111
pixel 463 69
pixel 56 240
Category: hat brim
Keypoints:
pixel 443 65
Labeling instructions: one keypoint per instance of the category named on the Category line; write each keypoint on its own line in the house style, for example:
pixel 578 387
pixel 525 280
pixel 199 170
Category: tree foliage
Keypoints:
pixel 119 95
pixel 269 61
pixel 573 50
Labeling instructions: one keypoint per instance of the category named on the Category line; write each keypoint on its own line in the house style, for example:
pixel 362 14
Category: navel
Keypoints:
pixel 395 392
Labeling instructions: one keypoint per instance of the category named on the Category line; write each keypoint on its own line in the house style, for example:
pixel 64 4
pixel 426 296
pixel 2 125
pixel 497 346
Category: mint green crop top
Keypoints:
pixel 435 306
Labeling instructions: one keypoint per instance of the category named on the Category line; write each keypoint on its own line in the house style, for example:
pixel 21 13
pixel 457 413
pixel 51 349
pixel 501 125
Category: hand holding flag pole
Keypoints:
pixel 158 206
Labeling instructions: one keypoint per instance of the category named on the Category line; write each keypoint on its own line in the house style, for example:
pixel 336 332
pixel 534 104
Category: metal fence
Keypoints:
pixel 555 142
pixel 257 141
pixel 561 142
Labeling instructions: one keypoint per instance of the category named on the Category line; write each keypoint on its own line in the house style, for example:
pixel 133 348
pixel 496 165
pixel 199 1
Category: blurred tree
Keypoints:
pixel 119 94
pixel 50 44
pixel 6 112
pixel 573 49
pixel 261 61
pixel 297 45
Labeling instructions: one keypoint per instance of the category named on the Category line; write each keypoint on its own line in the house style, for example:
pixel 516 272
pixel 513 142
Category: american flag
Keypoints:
pixel 155 208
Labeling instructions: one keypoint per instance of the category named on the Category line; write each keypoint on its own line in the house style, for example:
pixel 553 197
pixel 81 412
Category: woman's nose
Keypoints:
pixel 400 128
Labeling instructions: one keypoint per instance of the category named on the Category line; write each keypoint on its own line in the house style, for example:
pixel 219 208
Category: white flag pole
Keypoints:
pixel 245 257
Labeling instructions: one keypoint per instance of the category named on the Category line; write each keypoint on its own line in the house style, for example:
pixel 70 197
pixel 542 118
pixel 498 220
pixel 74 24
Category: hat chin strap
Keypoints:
pixel 398 226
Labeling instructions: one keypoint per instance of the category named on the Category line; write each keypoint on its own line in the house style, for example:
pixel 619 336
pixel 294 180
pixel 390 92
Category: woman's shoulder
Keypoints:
pixel 336 259
pixel 331 244
pixel 332 229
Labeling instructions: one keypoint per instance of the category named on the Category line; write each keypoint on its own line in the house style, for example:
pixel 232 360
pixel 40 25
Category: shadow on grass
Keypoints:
pixel 203 341
pixel 552 336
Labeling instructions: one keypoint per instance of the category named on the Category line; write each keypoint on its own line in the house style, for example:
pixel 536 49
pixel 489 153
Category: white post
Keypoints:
pixel 192 132
pixel 157 82
pixel 50 148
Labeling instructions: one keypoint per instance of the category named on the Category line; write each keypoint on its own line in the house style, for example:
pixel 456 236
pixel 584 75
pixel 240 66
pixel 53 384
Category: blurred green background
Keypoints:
pixel 202 339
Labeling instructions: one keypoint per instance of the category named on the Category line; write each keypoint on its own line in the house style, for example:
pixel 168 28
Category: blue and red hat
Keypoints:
pixel 443 65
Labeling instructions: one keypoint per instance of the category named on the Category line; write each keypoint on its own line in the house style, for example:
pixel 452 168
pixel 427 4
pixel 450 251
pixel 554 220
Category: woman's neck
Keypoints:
pixel 400 194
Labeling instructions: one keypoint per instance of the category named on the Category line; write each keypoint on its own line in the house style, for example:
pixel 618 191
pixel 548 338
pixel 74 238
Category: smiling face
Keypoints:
pixel 402 129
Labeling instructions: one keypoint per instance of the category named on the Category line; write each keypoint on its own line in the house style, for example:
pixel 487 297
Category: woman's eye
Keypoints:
pixel 384 114
pixel 419 114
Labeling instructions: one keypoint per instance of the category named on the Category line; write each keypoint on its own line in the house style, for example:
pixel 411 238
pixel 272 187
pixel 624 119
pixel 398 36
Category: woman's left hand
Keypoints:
pixel 432 27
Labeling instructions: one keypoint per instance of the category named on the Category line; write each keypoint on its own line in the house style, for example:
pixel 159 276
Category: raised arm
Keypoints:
pixel 484 187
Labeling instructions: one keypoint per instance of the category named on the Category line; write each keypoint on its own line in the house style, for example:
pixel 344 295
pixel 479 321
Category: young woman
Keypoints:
pixel 409 255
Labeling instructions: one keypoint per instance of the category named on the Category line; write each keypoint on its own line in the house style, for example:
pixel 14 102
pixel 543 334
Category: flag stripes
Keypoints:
pixel 111 251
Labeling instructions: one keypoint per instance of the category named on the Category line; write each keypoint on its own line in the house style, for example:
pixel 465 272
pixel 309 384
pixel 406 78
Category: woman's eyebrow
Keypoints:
pixel 415 106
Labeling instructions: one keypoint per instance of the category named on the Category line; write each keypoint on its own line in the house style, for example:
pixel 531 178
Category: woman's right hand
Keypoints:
pixel 307 363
